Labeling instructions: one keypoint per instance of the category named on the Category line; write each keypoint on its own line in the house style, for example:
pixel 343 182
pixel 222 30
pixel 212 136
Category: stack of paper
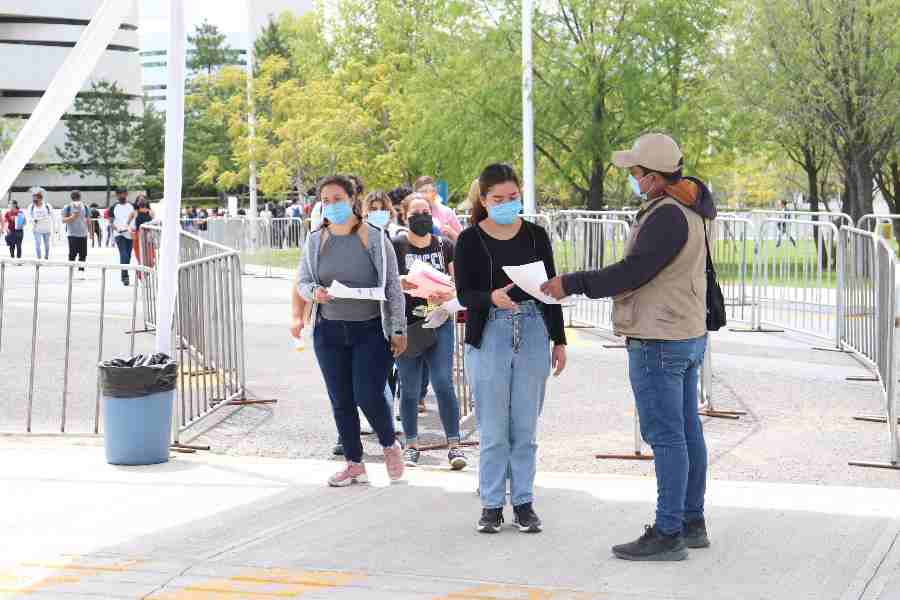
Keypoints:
pixel 428 281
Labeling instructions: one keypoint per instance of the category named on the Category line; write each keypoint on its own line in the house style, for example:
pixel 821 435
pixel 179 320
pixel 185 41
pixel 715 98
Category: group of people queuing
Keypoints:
pixel 513 341
pixel 82 222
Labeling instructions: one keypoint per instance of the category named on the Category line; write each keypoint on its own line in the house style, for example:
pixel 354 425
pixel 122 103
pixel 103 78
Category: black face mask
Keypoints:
pixel 421 224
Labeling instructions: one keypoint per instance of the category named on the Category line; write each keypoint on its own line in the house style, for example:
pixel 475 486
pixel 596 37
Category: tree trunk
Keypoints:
pixel 862 182
pixel 108 190
pixel 596 192
pixel 812 179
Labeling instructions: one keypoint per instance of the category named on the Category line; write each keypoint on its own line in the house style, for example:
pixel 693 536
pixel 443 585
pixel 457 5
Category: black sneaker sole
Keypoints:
pixel 489 528
pixel 529 529
pixel 668 556
pixel 697 544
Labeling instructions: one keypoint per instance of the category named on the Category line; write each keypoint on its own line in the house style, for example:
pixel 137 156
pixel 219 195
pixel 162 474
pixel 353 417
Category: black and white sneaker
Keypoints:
pixel 526 519
pixel 491 520
pixel 457 459
pixel 411 457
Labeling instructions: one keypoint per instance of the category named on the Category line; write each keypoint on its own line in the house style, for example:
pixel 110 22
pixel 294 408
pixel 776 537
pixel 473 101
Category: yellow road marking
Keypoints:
pixel 512 592
pixel 268 583
pixel 44 577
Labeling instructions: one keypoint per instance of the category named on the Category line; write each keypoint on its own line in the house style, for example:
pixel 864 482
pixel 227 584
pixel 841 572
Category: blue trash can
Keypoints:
pixel 137 431
pixel 138 394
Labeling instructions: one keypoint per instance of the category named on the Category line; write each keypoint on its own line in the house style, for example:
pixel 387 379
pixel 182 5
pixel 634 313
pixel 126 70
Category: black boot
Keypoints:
pixel 653 546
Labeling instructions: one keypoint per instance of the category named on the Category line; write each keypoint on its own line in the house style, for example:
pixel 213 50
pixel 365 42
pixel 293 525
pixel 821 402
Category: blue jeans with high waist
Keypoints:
pixel 355 358
pixel 436 363
pixel 40 238
pixel 125 246
pixel 508 376
pixel 664 377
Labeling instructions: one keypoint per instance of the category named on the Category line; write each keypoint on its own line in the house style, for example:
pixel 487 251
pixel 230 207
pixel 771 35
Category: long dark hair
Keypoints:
pixel 492 175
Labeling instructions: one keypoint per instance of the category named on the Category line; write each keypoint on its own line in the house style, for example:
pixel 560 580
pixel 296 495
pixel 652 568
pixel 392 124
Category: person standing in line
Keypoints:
pixel 355 340
pixel 77 219
pixel 444 217
pixel 419 245
pixel 40 213
pixel 121 215
pixel 96 231
pixel 14 226
pixel 143 214
pixel 508 345
pixel 659 306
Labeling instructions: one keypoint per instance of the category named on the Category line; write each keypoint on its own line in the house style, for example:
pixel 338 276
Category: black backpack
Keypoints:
pixel 716 317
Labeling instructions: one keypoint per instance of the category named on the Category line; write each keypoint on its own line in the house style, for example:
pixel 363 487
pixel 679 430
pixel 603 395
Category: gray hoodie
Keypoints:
pixel 393 310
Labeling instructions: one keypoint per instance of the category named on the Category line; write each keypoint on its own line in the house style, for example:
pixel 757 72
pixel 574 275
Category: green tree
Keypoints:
pixel 99 134
pixel 148 148
pixel 208 49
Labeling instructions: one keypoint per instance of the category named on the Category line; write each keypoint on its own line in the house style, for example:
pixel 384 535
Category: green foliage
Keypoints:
pixel 100 134
pixel 148 149
pixel 209 51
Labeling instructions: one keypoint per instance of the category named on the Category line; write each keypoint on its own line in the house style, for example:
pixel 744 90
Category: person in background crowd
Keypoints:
pixel 77 218
pixel 418 244
pixel 397 196
pixel 354 340
pixel 110 234
pixel 202 219
pixel 14 228
pixel 241 212
pixel 121 214
pixel 508 353
pixel 143 214
pixel 659 306
pixel 40 213
pixel 444 217
pixel 96 231
pixel 358 187
pixel 378 210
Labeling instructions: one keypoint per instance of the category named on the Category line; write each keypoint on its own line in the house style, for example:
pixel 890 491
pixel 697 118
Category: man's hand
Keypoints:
pixel 554 288
pixel 398 345
pixel 296 325
pixel 322 295
pixel 501 299
pixel 558 359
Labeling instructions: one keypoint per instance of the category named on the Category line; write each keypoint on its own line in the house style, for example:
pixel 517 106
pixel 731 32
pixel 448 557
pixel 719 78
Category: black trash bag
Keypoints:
pixel 138 376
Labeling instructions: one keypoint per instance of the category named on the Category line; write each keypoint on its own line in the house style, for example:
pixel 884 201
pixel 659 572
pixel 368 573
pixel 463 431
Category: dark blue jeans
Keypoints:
pixel 664 377
pixel 125 246
pixel 436 363
pixel 355 359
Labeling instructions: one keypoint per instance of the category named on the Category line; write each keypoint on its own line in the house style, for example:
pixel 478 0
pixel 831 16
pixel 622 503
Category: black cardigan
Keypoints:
pixel 472 271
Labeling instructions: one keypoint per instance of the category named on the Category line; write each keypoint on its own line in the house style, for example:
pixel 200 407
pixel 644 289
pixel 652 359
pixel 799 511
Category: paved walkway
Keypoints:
pixel 212 526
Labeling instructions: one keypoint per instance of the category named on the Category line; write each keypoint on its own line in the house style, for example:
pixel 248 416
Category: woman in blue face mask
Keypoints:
pixel 378 211
pixel 508 344
pixel 355 339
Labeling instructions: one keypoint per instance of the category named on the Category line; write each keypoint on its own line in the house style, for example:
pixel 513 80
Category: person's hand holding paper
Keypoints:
pixel 429 282
pixel 529 279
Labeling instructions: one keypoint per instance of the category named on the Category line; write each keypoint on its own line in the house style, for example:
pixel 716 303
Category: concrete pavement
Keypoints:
pixel 213 526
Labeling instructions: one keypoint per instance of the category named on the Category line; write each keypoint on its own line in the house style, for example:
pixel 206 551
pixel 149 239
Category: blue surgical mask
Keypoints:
pixel 379 218
pixel 337 213
pixel 506 213
pixel 635 186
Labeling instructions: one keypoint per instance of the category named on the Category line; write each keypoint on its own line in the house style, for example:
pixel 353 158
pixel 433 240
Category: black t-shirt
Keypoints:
pixel 140 218
pixel 439 254
pixel 516 251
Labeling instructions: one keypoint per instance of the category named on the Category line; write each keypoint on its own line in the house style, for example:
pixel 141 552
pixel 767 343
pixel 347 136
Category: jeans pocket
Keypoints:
pixel 676 357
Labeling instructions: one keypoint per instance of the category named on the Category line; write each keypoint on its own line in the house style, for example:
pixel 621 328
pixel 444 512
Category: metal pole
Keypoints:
pixel 251 113
pixel 2 294
pixel 100 346
pixel 34 324
pixel 62 425
pixel 527 107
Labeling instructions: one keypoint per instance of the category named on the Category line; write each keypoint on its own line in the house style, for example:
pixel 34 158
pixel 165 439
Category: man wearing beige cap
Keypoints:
pixel 659 305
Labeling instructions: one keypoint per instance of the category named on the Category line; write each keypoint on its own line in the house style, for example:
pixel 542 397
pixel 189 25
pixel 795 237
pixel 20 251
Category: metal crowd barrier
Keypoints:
pixel 53 282
pixel 838 219
pixel 733 246
pixel 883 225
pixel 859 331
pixel 209 329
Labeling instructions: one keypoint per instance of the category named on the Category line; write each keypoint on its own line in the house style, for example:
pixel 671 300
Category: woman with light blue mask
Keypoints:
pixel 378 211
pixel 355 339
pixel 508 353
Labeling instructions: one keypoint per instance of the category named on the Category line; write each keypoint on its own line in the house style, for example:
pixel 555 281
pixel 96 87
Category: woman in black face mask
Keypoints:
pixel 429 349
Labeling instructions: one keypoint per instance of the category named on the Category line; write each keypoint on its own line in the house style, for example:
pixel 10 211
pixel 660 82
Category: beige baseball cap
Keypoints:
pixel 652 150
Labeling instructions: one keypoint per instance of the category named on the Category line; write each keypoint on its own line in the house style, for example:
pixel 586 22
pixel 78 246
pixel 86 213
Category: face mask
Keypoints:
pixel 506 213
pixel 337 213
pixel 421 224
pixel 379 218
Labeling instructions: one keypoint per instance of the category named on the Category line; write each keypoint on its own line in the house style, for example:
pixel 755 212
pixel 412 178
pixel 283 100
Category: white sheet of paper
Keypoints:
pixel 453 306
pixel 529 279
pixel 339 290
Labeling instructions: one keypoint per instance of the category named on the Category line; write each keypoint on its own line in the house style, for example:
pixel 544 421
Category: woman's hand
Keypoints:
pixel 296 325
pixel 442 297
pixel 322 296
pixel 558 359
pixel 501 299
pixel 398 345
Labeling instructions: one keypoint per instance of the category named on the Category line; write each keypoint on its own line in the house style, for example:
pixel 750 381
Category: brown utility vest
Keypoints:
pixel 672 305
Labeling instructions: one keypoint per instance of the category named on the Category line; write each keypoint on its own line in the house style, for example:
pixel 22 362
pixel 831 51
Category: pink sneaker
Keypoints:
pixel 352 473
pixel 393 460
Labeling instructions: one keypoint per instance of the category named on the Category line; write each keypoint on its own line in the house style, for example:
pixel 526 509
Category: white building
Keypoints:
pixel 35 38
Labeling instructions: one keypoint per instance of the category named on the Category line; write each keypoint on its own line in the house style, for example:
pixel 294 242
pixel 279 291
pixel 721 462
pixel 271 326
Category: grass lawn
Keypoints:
pixel 283 259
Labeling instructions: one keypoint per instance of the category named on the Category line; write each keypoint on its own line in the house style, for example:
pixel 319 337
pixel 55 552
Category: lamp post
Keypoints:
pixel 527 108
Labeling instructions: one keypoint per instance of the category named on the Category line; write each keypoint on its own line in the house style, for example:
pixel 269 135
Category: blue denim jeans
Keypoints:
pixel 664 377
pixel 45 239
pixel 125 246
pixel 355 358
pixel 436 363
pixel 508 377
